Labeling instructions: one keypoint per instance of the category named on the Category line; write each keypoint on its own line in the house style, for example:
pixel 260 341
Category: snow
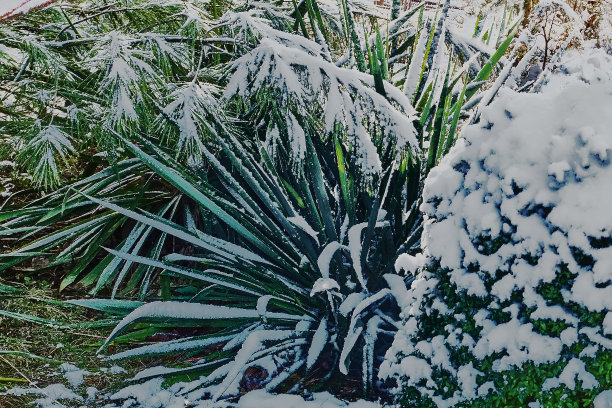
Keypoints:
pixel 300 222
pixel 607 323
pixel 574 370
pixel 73 374
pixel 91 392
pixel 398 288
pixel 47 146
pixel 258 399
pixel 187 104
pixel 326 255
pixel 355 247
pixel 186 343
pixel 350 303
pixel 520 342
pixel 324 285
pixel 14 7
pixel 319 339
pixel 416 369
pixel 151 394
pixel 409 263
pixel 50 396
pixel 603 400
pixel 414 71
pixel 518 178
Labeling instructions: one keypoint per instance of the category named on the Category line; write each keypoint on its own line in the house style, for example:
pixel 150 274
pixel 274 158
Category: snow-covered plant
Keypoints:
pixel 275 233
pixel 43 151
pixel 188 117
pixel 511 305
pixel 290 280
pixel 89 68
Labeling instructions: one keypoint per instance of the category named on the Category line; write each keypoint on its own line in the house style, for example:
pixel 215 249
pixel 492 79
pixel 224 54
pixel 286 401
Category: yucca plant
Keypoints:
pixel 284 246
pixel 273 282
pixel 273 200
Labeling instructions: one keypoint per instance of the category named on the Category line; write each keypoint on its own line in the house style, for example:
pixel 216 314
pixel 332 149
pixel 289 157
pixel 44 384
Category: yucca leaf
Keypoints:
pixel 315 17
pixel 91 252
pixel 485 72
pixel 164 287
pixel 117 307
pixel 225 281
pixel 350 23
pixel 347 193
pixel 299 20
pixel 204 368
pixel 422 75
pixel 314 171
pixel 435 137
pixel 223 248
pixel 381 55
pixel 191 311
pixel 172 176
pixel 169 347
pixel 453 127
pixel 426 102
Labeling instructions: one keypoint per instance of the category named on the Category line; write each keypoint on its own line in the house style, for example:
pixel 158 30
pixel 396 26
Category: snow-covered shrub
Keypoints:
pixel 513 304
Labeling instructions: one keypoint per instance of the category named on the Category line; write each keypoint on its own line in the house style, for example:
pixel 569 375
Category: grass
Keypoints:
pixel 32 351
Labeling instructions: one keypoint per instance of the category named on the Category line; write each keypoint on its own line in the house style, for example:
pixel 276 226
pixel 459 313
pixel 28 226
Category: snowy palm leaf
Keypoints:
pixel 306 85
pixel 122 68
pixel 187 103
pixel 43 151
pixel 90 68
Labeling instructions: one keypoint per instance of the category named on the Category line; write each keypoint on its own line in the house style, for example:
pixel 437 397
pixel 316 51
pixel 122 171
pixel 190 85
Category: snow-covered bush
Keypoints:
pixel 513 304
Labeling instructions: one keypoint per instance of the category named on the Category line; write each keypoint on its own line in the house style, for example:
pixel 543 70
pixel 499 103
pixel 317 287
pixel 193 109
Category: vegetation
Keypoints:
pixel 242 175
pixel 511 305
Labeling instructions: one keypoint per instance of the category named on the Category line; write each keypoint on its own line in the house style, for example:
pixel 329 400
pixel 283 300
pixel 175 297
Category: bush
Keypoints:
pixel 513 304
